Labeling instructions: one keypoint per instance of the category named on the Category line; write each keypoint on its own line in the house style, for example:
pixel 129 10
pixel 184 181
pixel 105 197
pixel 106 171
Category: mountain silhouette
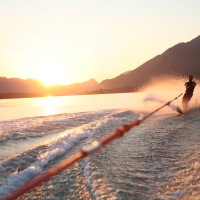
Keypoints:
pixel 17 88
pixel 17 85
pixel 75 88
pixel 180 60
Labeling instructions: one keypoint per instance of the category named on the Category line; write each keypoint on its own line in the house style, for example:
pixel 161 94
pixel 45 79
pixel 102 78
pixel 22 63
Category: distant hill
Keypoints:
pixel 181 60
pixel 16 88
pixel 17 85
pixel 76 88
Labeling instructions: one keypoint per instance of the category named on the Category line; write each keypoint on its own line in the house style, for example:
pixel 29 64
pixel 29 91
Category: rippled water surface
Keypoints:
pixel 160 159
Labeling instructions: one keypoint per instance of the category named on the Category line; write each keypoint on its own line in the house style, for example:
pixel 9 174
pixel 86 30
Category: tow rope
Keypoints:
pixel 86 151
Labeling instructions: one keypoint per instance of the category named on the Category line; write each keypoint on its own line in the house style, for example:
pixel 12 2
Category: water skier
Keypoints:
pixel 190 85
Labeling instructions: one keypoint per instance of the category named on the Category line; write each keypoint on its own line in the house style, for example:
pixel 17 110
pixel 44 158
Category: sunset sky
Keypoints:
pixel 68 41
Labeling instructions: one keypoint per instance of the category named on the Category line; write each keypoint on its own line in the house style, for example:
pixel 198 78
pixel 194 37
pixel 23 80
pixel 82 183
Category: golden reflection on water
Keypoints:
pixel 49 105
pixel 53 105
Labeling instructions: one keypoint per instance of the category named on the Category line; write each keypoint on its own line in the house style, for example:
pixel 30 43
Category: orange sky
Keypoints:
pixel 73 41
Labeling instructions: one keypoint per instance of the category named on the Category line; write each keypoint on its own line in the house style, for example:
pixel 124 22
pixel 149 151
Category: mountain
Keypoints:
pixel 181 60
pixel 76 88
pixel 16 87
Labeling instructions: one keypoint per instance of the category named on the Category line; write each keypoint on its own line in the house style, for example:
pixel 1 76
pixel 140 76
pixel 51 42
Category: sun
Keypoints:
pixel 52 76
pixel 51 79
pixel 50 71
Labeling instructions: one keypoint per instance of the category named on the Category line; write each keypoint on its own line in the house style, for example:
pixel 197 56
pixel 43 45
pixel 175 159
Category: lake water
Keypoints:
pixel 157 160
pixel 33 107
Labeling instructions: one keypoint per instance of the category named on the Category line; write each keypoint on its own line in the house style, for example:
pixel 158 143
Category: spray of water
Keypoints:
pixel 154 99
pixel 162 89
pixel 168 87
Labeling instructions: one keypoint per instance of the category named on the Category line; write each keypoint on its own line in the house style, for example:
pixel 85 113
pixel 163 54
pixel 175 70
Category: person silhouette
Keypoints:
pixel 189 85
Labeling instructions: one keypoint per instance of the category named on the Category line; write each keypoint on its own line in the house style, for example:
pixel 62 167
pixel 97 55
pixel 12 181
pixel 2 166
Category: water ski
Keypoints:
pixel 179 110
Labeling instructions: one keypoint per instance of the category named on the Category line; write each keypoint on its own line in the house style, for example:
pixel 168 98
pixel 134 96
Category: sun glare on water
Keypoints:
pixel 49 105
pixel 54 105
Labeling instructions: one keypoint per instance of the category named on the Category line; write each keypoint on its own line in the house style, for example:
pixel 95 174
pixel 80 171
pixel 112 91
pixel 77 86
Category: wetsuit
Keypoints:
pixel 190 85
